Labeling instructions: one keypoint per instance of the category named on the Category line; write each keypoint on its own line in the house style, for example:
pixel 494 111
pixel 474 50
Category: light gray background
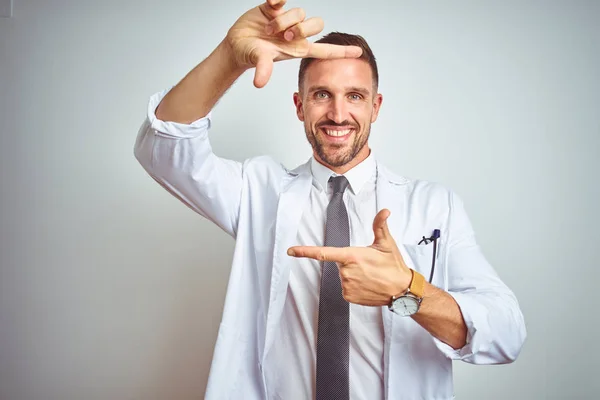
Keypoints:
pixel 112 289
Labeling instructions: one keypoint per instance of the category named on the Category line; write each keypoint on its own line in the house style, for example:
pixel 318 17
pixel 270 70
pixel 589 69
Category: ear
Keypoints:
pixel 298 104
pixel 376 106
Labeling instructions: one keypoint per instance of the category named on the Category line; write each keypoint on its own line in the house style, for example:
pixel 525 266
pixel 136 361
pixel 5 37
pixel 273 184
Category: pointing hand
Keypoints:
pixel 369 275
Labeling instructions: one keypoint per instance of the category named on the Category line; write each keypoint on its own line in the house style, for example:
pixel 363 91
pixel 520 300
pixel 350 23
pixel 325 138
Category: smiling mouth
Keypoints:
pixel 337 133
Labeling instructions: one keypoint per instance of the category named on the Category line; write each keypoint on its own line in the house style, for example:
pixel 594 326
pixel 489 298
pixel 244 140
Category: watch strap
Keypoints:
pixel 417 284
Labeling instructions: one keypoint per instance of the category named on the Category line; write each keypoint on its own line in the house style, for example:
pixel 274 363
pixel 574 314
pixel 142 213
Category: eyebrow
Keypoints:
pixel 356 89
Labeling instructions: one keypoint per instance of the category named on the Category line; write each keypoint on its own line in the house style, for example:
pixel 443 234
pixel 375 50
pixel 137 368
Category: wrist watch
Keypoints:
pixel 408 303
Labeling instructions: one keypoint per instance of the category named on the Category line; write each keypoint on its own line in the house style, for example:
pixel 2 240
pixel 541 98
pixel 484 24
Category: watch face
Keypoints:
pixel 405 305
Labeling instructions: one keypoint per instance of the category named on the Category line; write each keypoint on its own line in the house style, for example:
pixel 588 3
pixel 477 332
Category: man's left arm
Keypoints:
pixel 478 320
pixel 440 315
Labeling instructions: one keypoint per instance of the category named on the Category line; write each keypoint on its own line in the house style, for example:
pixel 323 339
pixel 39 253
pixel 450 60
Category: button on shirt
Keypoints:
pixel 293 355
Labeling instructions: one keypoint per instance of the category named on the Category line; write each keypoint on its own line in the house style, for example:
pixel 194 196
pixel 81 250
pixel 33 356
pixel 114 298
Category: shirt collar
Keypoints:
pixel 357 176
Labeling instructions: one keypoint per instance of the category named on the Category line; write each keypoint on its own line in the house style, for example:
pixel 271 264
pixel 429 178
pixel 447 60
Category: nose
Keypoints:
pixel 337 110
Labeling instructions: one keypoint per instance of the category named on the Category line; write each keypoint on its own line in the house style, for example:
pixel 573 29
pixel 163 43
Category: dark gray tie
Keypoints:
pixel 333 334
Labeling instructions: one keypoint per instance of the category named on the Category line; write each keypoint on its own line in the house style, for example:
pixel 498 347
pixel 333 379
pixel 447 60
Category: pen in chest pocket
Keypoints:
pixel 434 238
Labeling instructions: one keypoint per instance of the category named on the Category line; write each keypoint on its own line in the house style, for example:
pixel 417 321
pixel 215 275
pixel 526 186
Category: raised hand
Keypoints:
pixel 269 33
pixel 369 275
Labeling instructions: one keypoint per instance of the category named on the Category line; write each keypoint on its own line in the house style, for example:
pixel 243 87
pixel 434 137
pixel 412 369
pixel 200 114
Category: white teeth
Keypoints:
pixel 337 133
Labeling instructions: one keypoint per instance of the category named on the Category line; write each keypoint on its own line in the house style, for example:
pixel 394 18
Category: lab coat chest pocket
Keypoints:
pixel 421 259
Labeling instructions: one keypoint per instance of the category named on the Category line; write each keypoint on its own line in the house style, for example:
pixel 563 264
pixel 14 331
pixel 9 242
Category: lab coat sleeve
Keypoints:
pixel 180 158
pixel 496 327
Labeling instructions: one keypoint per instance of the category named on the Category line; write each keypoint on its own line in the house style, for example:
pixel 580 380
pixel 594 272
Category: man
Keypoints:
pixel 348 281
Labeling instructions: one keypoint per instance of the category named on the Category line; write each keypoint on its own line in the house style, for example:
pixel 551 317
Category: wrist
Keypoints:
pixel 396 284
pixel 403 281
pixel 408 301
pixel 225 55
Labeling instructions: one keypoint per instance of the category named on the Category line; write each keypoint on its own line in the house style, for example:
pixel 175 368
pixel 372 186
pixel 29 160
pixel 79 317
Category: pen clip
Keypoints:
pixel 426 240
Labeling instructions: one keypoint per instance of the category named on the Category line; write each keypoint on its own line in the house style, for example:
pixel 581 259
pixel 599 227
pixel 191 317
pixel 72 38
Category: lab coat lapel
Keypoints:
pixel 292 201
pixel 391 194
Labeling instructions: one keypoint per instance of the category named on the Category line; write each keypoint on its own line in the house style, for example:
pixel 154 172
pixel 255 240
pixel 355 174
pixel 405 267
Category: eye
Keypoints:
pixel 355 96
pixel 321 95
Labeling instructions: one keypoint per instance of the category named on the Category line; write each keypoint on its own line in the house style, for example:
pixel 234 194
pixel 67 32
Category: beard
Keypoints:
pixel 341 154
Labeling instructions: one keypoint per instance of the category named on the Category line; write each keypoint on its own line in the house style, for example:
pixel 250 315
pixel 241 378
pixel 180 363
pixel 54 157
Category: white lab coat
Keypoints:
pixel 259 202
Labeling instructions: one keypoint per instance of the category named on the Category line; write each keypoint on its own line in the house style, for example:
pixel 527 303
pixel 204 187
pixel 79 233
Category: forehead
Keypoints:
pixel 339 73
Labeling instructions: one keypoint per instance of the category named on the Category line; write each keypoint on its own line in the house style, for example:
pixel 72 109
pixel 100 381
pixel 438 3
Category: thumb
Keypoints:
pixel 264 68
pixel 380 228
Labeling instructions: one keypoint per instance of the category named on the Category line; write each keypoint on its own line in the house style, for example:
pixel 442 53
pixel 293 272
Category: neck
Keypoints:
pixel 360 157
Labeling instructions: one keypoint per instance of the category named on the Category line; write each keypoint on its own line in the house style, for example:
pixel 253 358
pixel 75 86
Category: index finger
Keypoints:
pixel 337 254
pixel 326 50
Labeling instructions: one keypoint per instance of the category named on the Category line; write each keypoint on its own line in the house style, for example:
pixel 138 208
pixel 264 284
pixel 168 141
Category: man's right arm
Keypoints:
pixel 180 158
pixel 174 149
pixel 172 144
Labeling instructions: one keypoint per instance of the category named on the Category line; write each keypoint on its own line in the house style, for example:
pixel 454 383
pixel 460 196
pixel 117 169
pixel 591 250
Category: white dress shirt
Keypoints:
pixel 293 355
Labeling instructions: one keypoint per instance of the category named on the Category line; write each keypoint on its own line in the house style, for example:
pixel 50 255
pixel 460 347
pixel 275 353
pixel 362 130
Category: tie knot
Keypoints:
pixel 340 183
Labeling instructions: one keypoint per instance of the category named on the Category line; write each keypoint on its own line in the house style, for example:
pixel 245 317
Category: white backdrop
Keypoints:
pixel 112 289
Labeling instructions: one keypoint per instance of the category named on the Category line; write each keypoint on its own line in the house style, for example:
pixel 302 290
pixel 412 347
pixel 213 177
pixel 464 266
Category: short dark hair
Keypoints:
pixel 344 39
